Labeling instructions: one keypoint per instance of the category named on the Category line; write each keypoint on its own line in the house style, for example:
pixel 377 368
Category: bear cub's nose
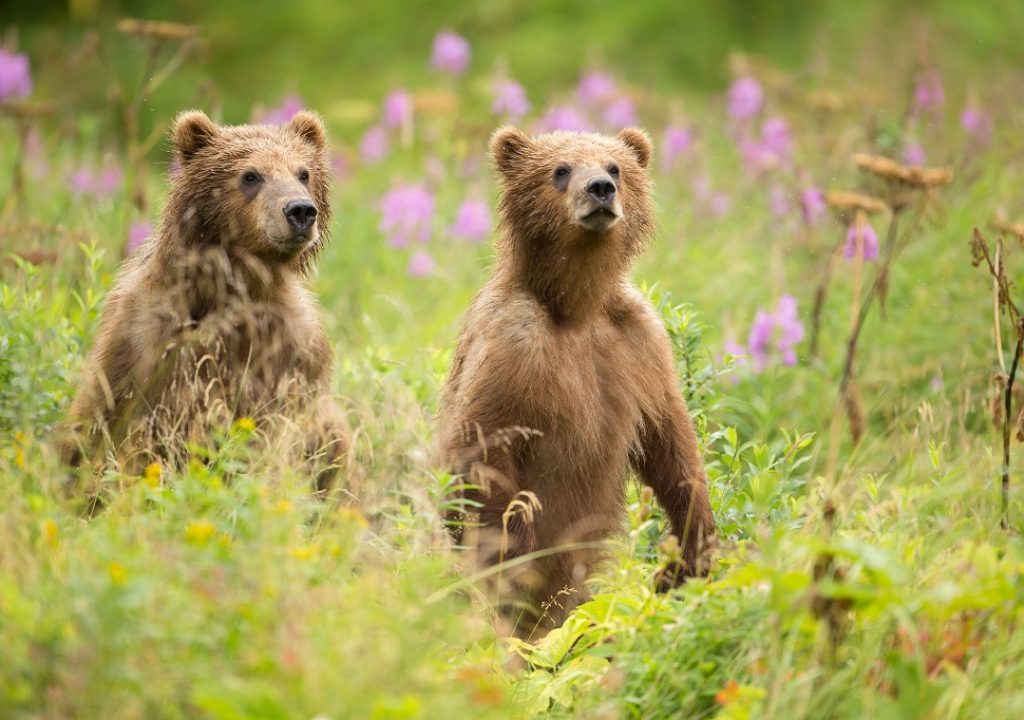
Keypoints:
pixel 601 189
pixel 301 214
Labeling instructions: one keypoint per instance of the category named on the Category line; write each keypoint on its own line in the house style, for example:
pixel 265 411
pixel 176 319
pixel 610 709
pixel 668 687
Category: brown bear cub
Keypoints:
pixel 564 376
pixel 210 320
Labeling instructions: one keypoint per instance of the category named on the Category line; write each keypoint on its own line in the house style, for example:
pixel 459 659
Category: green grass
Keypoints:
pixel 222 590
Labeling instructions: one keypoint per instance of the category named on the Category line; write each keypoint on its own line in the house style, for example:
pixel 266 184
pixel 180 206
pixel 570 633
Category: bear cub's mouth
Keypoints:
pixel 600 219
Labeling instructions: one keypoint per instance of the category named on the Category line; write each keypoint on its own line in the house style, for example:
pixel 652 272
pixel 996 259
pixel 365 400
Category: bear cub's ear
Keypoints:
pixel 639 142
pixel 192 132
pixel 508 145
pixel 310 127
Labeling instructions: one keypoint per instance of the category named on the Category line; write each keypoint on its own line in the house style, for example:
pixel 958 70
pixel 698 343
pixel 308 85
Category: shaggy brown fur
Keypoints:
pixel 210 320
pixel 564 375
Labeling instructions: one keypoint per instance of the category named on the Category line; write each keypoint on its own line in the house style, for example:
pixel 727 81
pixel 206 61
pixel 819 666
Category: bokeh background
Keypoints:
pixel 869 563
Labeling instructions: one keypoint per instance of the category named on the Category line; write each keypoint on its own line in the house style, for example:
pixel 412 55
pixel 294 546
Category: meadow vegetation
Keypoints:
pixel 863 569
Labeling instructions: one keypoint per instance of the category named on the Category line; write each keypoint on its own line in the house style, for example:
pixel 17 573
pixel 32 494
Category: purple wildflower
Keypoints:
pixel 397 109
pixel 813 207
pixel 472 221
pixel 450 53
pixel 745 98
pixel 374 145
pixel 103 183
pixel 138 234
pixel 756 157
pixel 509 99
pixel 621 113
pixel 775 332
pixel 421 264
pixel 928 92
pixel 407 212
pixel 913 154
pixel 281 114
pixel 563 117
pixel 15 78
pixel 595 88
pixel 976 123
pixel 776 139
pixel 720 203
pixel 869 240
pixel 678 142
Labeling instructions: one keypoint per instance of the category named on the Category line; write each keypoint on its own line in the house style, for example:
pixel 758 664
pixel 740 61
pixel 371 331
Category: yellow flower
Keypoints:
pixel 151 475
pixel 19 457
pixel 283 506
pixel 246 424
pixel 199 532
pixel 304 552
pixel 117 572
pixel 353 515
pixel 51 533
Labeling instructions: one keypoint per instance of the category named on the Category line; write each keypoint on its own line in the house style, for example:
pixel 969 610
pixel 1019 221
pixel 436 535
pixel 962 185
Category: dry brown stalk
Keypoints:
pixel 996 266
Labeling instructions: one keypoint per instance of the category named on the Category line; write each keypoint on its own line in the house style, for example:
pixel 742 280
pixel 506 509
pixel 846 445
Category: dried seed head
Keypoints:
pixel 892 171
pixel 1001 224
pixel 852 201
pixel 855 411
pixel 156 29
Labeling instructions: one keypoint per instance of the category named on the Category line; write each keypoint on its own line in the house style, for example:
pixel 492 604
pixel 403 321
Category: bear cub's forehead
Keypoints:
pixel 268 142
pixel 581 146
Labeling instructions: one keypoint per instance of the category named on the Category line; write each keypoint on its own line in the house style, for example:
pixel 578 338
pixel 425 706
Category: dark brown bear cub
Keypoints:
pixel 564 376
pixel 210 321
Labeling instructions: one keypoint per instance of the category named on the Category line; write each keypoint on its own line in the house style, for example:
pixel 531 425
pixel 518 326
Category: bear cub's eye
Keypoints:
pixel 303 176
pixel 251 177
pixel 613 170
pixel 561 177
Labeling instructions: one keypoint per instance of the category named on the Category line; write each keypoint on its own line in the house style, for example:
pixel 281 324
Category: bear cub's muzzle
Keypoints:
pixel 300 214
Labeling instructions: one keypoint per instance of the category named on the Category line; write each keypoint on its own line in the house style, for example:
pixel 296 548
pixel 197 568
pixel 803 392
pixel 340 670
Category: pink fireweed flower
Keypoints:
pixel 397 109
pixel 450 53
pixel 15 78
pixel 870 242
pixel 775 332
pixel 620 114
pixel 756 157
pixel 976 123
pixel 472 221
pixel 421 264
pixel 99 184
pixel 595 88
pixel 928 91
pixel 745 98
pixel 913 154
pixel 374 146
pixel 678 141
pixel 776 139
pixel 563 117
pixel 138 234
pixel 281 114
pixel 509 99
pixel 813 207
pixel 407 213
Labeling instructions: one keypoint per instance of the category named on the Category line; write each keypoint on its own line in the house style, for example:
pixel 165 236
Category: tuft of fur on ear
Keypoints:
pixel 508 145
pixel 309 126
pixel 639 142
pixel 192 132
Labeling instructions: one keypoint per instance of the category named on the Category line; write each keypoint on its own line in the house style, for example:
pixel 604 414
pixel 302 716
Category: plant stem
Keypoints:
pixel 1004 522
